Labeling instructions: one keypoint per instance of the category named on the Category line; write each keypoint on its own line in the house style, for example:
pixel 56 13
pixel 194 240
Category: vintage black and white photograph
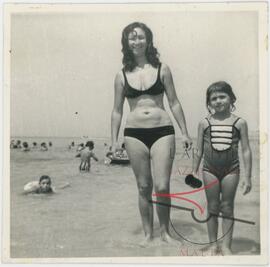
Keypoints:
pixel 135 133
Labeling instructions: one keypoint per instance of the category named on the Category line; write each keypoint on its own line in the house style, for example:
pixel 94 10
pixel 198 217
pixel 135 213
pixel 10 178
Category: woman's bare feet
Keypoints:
pixel 147 241
pixel 167 238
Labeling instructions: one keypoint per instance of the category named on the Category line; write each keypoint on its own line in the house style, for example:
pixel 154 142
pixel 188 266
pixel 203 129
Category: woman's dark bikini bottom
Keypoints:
pixel 149 135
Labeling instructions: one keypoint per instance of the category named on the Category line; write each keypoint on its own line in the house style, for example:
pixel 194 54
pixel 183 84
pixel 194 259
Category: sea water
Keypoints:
pixel 98 216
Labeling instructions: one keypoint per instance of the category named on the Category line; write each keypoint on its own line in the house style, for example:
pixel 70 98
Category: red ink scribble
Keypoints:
pixel 197 190
pixel 191 201
pixel 177 195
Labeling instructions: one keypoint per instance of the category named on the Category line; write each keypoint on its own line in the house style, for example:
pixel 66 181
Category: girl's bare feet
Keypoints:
pixel 226 251
pixel 211 250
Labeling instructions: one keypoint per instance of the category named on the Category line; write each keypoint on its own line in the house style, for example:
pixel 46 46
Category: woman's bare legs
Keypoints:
pixel 162 155
pixel 213 205
pixel 228 188
pixel 139 156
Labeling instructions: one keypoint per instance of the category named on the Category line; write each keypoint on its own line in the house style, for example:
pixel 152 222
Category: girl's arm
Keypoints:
pixel 198 152
pixel 175 105
pixel 247 155
pixel 117 111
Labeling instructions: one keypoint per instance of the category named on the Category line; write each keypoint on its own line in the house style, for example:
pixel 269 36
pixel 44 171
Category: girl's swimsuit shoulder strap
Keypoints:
pixel 208 121
pixel 236 121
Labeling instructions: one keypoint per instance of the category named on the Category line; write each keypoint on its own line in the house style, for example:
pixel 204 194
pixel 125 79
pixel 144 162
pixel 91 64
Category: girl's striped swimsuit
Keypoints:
pixel 221 149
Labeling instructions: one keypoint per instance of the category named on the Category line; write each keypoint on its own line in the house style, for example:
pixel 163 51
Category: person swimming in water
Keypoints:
pixel 25 147
pixel 86 154
pixel 12 144
pixel 80 147
pixel 43 146
pixel 43 186
pixel 18 144
pixel 34 145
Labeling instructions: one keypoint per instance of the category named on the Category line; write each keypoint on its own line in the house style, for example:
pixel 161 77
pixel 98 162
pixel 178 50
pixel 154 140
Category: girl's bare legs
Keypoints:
pixel 139 157
pixel 213 204
pixel 228 188
pixel 162 155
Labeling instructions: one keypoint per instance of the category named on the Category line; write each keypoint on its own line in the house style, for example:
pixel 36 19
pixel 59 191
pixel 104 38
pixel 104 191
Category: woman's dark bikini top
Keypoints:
pixel 156 89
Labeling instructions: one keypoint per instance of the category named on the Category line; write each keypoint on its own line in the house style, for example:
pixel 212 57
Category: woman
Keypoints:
pixel 149 134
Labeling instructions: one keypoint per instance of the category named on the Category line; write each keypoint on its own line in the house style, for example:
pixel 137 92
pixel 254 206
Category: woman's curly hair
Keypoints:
pixel 151 52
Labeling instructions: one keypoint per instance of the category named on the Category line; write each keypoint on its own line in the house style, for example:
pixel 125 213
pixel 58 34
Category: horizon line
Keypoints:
pixel 251 134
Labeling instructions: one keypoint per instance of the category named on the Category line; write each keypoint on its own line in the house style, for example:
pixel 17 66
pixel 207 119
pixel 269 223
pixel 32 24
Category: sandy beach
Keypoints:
pixel 98 216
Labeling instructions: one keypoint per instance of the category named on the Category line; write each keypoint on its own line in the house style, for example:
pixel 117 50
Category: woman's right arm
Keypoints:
pixel 117 111
pixel 198 152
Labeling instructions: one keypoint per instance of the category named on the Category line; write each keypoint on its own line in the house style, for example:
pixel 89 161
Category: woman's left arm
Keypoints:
pixel 175 104
pixel 247 155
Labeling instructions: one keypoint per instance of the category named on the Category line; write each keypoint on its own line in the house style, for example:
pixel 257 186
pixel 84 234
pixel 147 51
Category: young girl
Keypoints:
pixel 218 138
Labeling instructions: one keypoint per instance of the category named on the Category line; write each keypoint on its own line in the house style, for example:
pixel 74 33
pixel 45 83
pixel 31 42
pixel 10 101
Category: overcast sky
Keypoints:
pixel 63 66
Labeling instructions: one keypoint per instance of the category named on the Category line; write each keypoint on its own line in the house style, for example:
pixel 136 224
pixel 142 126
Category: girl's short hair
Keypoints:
pixel 220 86
pixel 45 177
pixel 151 52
